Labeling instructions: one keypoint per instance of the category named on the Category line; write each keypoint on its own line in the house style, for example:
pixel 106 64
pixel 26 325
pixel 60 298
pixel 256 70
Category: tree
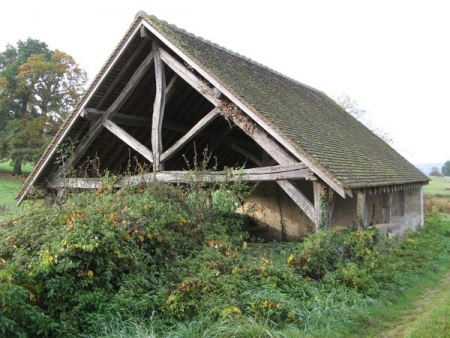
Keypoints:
pixel 38 87
pixel 435 172
pixel 352 107
pixel 446 169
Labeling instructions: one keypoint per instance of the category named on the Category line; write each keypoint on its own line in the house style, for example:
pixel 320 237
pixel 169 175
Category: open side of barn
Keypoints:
pixel 164 96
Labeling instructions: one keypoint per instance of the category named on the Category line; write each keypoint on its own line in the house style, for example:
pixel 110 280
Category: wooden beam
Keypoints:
pixel 361 210
pixel 259 136
pixel 128 139
pixel 158 109
pixel 280 172
pixel 387 207
pixel 244 152
pixel 111 111
pixel 122 72
pixel 324 199
pixel 299 155
pixel 299 199
pixel 189 77
pixel 123 119
pixel 170 89
pixel 190 134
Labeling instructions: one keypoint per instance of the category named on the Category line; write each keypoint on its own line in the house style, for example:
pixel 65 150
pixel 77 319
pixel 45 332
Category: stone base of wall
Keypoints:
pixel 400 224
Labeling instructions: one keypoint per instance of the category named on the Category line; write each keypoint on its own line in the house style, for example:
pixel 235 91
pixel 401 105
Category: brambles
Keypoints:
pixel 157 260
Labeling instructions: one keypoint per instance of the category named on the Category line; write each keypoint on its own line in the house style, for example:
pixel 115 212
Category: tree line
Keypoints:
pixel 38 88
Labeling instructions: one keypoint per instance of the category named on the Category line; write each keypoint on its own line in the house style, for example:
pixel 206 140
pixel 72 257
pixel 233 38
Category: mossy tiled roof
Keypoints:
pixel 307 118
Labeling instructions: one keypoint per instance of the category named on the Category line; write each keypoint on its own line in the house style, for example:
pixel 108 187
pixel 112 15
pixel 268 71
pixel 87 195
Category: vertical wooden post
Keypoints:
pixel 158 110
pixel 324 199
pixel 361 210
pixel 421 205
pixel 387 203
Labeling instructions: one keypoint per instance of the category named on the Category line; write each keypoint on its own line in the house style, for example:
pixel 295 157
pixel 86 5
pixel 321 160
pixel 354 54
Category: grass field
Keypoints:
pixel 5 167
pixel 9 186
pixel 438 186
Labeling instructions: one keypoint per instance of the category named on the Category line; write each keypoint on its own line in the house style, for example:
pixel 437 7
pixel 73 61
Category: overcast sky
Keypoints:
pixel 392 57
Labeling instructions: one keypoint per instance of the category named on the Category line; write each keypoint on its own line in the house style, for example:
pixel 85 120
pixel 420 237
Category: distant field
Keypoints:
pixel 438 186
pixel 9 187
pixel 5 167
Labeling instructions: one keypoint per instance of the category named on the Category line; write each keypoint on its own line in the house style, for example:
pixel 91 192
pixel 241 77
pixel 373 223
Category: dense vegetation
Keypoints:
pixel 155 261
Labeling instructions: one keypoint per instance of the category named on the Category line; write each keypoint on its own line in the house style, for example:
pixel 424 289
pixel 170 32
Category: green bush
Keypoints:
pixel 157 261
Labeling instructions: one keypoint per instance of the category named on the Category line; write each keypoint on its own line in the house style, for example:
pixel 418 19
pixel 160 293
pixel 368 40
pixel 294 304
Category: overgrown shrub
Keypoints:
pixel 71 266
pixel 157 261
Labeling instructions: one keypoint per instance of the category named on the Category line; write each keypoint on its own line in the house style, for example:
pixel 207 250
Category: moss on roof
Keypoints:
pixel 313 123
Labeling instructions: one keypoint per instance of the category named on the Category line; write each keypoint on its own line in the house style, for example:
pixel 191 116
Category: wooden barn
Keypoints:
pixel 165 94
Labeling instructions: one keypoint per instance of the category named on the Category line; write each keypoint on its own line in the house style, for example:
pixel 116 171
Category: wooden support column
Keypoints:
pixel 361 210
pixel 324 199
pixel 387 206
pixel 158 110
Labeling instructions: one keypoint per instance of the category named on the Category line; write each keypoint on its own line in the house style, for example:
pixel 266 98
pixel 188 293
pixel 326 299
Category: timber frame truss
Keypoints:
pixel 279 163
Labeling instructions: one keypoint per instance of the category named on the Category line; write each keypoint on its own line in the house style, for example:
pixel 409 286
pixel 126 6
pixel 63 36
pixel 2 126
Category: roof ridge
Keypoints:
pixel 226 50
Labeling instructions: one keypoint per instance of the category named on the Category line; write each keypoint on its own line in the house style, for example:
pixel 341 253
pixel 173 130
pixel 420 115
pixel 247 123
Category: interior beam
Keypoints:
pixel 190 134
pixel 158 109
pixel 111 111
pixel 128 139
pixel 189 77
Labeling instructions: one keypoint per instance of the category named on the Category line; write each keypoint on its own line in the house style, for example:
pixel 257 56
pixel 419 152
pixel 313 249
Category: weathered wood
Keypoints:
pixel 48 155
pixel 280 172
pixel 123 119
pixel 259 136
pixel 122 72
pixel 324 199
pixel 158 109
pixel 387 207
pixel 298 156
pixel 361 210
pixel 144 33
pixel 244 152
pixel 111 111
pixel 128 139
pixel 189 77
pixel 190 134
pixel 170 89
pixel 217 93
pixel 298 197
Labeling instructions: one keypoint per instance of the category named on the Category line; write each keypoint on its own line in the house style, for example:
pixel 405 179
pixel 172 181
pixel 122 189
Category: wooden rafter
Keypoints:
pixel 190 134
pixel 189 77
pixel 111 111
pixel 244 152
pixel 128 139
pixel 122 73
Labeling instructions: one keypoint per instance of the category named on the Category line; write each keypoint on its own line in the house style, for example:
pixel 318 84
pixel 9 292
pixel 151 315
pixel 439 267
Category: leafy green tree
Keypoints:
pixel 446 169
pixel 38 87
